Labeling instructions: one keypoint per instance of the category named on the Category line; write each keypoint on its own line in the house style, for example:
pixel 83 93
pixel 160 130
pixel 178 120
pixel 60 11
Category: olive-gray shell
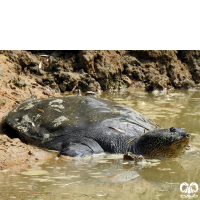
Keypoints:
pixel 43 119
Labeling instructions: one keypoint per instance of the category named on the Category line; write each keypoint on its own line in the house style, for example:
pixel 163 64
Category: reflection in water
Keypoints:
pixel 108 176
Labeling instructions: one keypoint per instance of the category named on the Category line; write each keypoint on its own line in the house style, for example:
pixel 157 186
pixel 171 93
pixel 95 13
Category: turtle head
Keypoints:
pixel 162 143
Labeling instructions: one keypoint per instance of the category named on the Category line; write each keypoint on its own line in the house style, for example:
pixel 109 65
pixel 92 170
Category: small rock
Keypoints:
pixel 12 87
pixel 90 93
pixel 30 153
pixel 48 93
pixel 39 80
pixel 1 71
pixel 77 92
pixel 19 82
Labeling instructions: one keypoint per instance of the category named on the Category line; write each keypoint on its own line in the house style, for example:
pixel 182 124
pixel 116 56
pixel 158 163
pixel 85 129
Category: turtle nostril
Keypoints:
pixel 188 135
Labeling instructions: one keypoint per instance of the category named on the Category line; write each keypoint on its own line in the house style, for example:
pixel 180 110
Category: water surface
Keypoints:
pixel 109 176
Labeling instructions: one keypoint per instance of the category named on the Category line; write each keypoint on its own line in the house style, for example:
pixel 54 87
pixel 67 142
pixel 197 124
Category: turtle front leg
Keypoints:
pixel 133 157
pixel 81 148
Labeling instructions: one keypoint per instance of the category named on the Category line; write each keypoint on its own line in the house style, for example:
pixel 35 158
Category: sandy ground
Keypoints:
pixel 14 154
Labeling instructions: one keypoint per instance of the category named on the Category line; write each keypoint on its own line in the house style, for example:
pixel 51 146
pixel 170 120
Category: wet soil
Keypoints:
pixel 41 74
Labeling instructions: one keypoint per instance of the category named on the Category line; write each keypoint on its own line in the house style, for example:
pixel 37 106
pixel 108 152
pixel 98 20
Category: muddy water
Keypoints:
pixel 108 176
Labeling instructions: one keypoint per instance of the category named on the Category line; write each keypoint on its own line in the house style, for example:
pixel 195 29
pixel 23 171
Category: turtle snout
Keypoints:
pixel 188 135
pixel 180 131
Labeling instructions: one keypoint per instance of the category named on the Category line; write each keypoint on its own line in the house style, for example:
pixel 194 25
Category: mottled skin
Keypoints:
pixel 79 126
pixel 163 143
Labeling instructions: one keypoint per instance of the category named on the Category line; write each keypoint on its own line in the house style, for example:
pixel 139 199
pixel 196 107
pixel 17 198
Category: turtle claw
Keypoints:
pixel 133 157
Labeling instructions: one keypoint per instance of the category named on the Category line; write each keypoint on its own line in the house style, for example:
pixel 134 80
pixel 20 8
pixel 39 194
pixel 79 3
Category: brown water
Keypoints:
pixel 108 176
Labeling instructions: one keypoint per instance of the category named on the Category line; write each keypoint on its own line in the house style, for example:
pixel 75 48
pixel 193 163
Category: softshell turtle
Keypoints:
pixel 79 126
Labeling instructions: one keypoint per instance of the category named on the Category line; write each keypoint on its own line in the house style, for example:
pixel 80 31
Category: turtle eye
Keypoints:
pixel 172 129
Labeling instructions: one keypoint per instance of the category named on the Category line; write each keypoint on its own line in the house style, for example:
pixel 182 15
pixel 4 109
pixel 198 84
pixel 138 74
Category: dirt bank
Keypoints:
pixel 14 87
pixel 41 74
